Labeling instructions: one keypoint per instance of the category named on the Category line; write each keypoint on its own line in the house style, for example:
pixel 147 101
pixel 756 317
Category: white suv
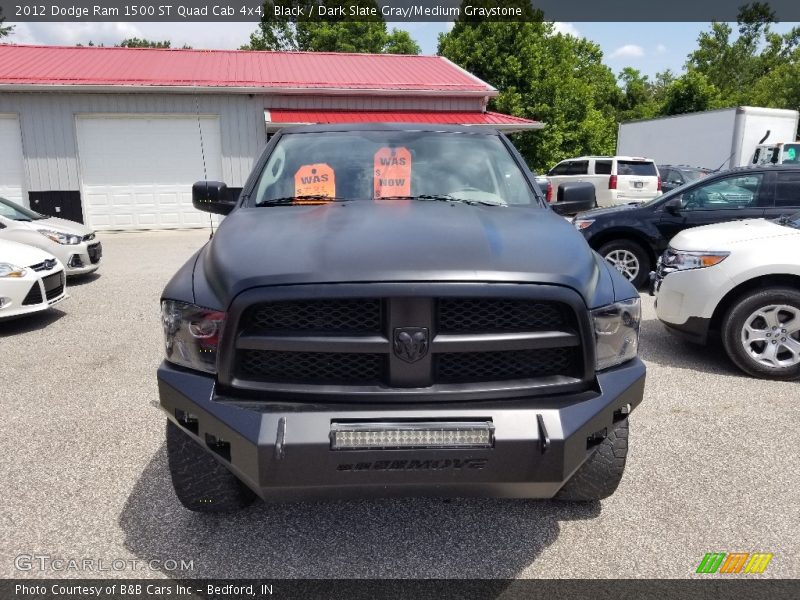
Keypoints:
pixel 617 179
pixel 741 279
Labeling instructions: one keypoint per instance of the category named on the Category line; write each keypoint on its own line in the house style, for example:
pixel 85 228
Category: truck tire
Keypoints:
pixel 201 483
pixel 760 333
pixel 600 475
pixel 629 258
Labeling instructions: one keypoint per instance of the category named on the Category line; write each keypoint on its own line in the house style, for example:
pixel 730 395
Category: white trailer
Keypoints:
pixel 714 139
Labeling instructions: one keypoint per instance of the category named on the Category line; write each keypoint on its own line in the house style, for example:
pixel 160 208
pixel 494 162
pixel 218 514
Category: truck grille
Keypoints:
pixel 384 346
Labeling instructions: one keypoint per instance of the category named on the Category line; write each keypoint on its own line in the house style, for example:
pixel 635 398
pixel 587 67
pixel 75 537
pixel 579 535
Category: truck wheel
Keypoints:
pixel 629 258
pixel 761 333
pixel 201 483
pixel 600 475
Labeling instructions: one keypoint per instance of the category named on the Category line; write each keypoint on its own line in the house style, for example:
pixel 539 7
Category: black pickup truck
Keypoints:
pixel 395 310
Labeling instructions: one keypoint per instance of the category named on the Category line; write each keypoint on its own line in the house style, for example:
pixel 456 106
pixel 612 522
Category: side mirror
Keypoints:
pixel 574 197
pixel 673 206
pixel 212 197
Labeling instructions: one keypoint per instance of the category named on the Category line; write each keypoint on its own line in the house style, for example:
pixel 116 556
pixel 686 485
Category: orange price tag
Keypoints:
pixel 312 180
pixel 392 172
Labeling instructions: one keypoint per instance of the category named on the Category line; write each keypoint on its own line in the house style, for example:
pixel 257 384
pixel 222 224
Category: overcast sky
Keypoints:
pixel 649 47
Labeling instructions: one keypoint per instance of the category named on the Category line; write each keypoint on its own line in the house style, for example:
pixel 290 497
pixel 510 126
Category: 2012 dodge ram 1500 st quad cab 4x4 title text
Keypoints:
pixel 394 310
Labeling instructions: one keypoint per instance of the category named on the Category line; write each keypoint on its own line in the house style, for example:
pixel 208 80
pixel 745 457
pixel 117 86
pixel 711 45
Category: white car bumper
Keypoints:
pixel 38 290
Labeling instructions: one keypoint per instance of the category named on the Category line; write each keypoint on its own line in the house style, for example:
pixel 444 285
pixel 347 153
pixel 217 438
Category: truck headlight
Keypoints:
pixel 61 238
pixel 191 334
pixel 616 332
pixel 581 224
pixel 680 260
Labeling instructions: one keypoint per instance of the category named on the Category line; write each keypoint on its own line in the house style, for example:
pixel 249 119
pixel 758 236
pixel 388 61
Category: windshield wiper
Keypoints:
pixel 303 197
pixel 789 221
pixel 439 198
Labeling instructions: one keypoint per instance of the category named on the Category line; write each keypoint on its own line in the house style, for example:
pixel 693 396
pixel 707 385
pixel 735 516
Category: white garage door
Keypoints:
pixel 137 172
pixel 10 159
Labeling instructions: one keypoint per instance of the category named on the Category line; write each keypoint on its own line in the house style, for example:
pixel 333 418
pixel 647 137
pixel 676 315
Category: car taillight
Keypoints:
pixel 659 183
pixel 612 182
pixel 549 194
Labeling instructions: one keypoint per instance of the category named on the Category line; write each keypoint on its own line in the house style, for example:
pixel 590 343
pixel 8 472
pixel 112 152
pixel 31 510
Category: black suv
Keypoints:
pixel 631 237
pixel 394 309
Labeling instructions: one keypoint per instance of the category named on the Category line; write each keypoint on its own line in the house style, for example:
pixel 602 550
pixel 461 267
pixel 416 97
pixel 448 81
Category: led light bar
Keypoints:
pixel 392 436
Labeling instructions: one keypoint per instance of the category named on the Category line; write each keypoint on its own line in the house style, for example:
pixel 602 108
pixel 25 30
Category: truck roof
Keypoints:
pixel 433 127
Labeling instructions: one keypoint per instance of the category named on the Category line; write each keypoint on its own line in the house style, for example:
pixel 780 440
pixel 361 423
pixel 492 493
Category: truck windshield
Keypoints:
pixel 316 168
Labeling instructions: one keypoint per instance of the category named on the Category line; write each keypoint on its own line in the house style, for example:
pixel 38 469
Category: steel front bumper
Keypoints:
pixel 282 449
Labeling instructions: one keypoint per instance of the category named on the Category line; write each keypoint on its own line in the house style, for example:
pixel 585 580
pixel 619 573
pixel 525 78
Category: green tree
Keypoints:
pixel 733 64
pixel 637 99
pixel 314 34
pixel 4 31
pixel 558 79
pixel 692 92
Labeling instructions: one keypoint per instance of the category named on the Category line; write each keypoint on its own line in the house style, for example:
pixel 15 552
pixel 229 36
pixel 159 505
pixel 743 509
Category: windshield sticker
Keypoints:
pixel 392 172
pixel 314 180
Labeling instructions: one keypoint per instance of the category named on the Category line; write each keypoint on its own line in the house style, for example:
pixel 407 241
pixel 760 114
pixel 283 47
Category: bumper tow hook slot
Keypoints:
pixel 544 438
pixel 279 452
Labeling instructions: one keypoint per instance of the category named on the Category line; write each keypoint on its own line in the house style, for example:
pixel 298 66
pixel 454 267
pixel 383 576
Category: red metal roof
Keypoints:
pixel 143 68
pixel 492 119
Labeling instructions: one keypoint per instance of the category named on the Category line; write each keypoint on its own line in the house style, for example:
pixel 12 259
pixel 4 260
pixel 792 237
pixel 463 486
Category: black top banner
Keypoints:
pixel 388 10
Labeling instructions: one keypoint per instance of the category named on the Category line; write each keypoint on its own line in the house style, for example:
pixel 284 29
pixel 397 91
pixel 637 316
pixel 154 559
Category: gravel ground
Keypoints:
pixel 713 466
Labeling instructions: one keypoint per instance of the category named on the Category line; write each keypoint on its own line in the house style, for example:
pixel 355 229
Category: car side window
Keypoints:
pixel 559 169
pixel 735 191
pixel 602 167
pixel 787 190
pixel 578 167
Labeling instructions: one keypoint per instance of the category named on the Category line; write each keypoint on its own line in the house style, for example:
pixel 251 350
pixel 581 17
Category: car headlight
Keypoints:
pixel 191 334
pixel 616 332
pixel 680 260
pixel 9 270
pixel 61 238
pixel 582 223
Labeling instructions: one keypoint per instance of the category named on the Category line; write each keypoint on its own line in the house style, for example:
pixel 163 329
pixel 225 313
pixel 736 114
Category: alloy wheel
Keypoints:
pixel 771 336
pixel 625 262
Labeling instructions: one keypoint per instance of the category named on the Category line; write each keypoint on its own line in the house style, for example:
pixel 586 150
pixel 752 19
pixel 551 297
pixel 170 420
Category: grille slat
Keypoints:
pixel 491 315
pixel 312 367
pixel 466 367
pixel 360 315
pixel 54 285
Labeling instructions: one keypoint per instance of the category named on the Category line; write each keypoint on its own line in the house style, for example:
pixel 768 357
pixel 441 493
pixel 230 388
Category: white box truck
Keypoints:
pixel 714 139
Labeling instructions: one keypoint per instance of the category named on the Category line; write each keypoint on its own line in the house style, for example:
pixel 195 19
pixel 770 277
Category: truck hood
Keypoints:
pixel 722 236
pixel 395 241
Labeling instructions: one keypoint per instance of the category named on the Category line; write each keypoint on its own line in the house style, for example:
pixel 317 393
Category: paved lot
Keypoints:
pixel 714 465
